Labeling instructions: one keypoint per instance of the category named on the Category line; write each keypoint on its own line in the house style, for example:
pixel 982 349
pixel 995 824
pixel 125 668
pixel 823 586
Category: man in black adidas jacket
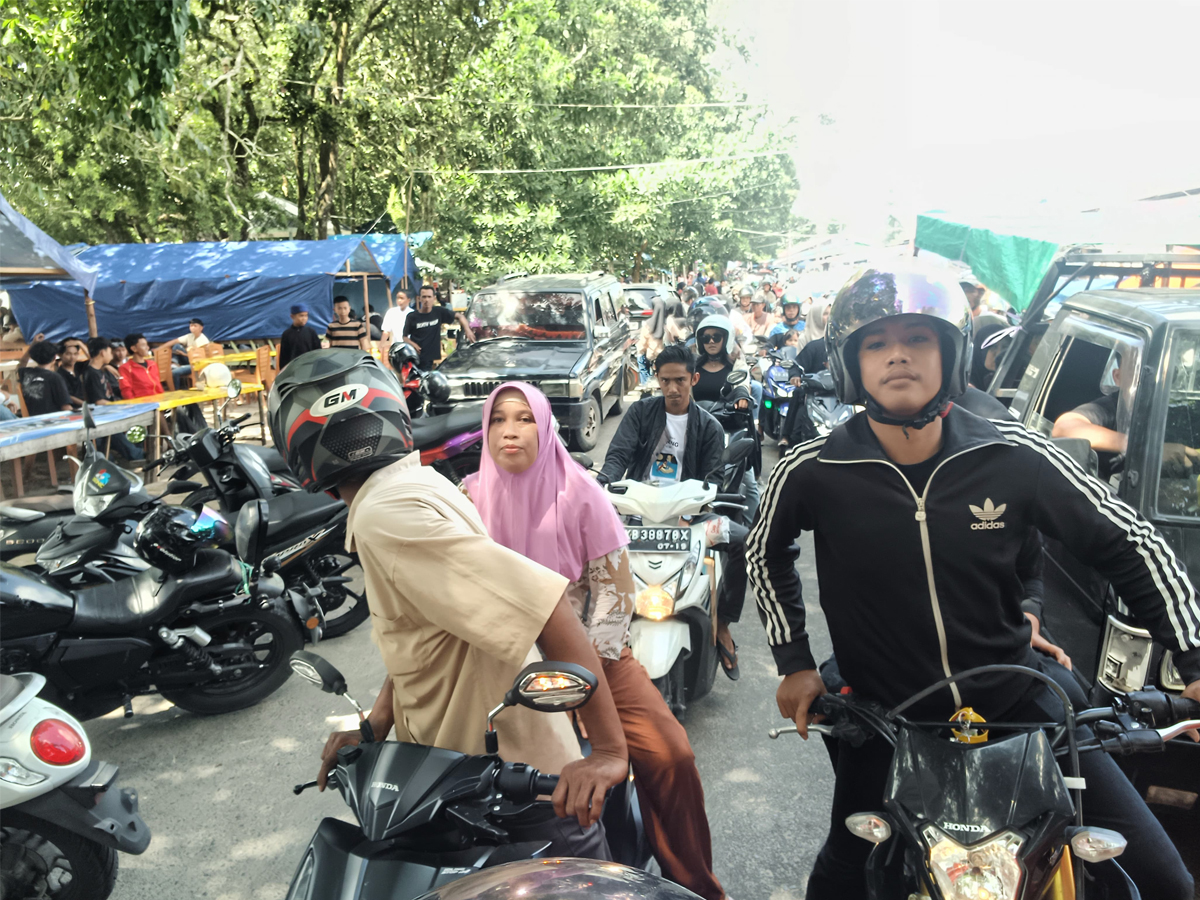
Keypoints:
pixel 919 510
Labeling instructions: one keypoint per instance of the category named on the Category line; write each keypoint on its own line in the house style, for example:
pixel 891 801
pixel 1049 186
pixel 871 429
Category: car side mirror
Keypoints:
pixel 552 687
pixel 319 671
pixel 250 532
pixel 601 331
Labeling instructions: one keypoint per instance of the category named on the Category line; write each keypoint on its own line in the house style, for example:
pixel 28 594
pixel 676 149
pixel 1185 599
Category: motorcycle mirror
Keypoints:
pixel 583 459
pixel 319 671
pixel 136 434
pixel 88 422
pixel 178 487
pixel 233 389
pixel 736 377
pixel 552 687
pixel 737 451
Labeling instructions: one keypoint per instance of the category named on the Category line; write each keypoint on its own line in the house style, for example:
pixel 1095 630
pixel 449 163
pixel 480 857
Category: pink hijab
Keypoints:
pixel 552 513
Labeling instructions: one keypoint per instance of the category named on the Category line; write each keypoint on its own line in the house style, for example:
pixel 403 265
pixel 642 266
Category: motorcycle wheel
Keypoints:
pixel 269 640
pixel 40 861
pixel 345 608
pixel 672 689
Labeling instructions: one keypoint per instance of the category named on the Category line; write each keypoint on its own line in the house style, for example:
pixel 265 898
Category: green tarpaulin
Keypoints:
pixel 1008 264
pixel 1012 253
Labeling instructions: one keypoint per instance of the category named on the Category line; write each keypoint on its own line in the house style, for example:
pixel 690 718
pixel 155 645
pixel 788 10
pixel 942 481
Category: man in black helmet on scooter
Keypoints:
pixel 919 510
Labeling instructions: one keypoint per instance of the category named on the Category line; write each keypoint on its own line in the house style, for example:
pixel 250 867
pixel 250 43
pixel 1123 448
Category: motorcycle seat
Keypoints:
pixel 429 431
pixel 270 457
pixel 298 512
pixel 20 515
pixel 137 603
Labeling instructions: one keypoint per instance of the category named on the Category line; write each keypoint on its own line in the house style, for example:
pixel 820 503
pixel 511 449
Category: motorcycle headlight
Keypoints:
pixel 62 562
pixel 654 602
pixel 986 871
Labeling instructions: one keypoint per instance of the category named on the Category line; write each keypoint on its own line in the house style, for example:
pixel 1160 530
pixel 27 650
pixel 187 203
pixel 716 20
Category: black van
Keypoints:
pixel 1140 348
pixel 568 334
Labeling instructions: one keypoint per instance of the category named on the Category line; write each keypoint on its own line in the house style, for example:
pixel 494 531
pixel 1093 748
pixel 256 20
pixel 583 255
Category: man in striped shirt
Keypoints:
pixel 346 332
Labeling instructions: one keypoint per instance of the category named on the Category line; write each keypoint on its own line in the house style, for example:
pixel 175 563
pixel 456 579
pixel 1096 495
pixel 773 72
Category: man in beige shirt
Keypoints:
pixel 455 615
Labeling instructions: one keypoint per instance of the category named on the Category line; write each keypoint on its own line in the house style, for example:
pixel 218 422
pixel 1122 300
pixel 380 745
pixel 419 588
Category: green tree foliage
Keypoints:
pixel 156 120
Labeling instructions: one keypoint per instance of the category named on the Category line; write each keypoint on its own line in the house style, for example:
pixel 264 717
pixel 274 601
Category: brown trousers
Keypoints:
pixel 667 781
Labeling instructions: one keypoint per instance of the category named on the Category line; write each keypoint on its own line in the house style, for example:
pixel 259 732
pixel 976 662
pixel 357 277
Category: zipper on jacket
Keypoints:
pixel 921 516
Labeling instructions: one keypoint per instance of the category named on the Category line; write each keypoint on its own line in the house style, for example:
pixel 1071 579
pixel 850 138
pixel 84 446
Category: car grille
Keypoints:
pixel 479 388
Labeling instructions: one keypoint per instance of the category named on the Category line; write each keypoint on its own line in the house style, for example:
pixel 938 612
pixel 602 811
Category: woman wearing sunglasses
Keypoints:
pixel 713 344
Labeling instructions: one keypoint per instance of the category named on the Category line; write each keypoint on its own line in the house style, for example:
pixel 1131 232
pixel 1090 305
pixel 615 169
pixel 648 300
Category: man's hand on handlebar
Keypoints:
pixel 1192 692
pixel 796 694
pixel 336 741
pixel 583 784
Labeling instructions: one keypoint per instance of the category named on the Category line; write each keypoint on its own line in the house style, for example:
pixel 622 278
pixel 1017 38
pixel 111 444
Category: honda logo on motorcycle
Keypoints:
pixel 338 399
pixel 969 829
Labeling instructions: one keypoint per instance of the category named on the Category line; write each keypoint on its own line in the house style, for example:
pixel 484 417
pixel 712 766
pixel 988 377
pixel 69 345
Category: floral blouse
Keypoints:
pixel 603 598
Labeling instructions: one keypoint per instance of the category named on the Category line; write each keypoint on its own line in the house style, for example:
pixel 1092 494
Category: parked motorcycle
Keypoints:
pixel 427 816
pixel 676 533
pixel 1002 821
pixel 63 817
pixel 213 637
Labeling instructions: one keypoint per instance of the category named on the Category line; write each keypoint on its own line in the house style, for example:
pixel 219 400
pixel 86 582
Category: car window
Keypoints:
pixel 537 315
pixel 1178 468
pixel 610 314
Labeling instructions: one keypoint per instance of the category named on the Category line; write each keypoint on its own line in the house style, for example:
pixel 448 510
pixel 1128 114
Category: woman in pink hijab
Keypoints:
pixel 534 499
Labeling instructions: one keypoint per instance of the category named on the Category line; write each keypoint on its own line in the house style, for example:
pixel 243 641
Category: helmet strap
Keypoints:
pixel 934 409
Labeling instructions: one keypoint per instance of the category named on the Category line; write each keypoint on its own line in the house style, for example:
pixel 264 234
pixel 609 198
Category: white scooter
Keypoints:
pixel 675 541
pixel 63 819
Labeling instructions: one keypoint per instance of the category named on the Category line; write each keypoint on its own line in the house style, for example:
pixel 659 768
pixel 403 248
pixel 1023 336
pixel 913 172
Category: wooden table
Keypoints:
pixel 36 434
pixel 175 399
pixel 242 356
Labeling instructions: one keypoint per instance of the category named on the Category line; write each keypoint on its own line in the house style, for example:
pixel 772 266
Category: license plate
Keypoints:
pixel 664 540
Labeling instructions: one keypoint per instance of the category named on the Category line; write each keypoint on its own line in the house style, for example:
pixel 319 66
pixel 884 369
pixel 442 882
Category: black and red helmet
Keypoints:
pixel 337 414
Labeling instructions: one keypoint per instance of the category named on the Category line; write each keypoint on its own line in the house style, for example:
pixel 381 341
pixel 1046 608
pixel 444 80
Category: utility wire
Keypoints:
pixel 624 167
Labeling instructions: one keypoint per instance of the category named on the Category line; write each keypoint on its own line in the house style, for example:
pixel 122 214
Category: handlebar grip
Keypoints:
pixel 1161 709
pixel 1130 742
pixel 240 419
pixel 823 706
pixel 522 784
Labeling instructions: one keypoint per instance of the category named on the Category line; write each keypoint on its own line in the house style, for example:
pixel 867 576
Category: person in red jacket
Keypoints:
pixel 139 374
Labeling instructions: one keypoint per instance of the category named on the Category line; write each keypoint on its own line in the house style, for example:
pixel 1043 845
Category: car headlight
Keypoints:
pixel 987 871
pixel 555 388
pixel 654 602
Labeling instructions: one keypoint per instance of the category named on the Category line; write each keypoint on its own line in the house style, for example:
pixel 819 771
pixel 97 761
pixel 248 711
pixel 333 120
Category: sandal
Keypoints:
pixel 729 662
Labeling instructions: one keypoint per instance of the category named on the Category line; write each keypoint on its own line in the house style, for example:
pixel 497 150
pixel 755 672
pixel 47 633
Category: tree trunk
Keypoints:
pixel 328 126
pixel 302 232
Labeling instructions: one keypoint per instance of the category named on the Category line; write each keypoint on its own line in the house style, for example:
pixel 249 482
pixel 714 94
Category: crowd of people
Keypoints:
pixel 467 586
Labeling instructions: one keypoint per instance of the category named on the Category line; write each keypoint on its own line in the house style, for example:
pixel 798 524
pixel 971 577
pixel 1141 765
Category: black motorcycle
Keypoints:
pixel 427 816
pixel 977 810
pixel 213 639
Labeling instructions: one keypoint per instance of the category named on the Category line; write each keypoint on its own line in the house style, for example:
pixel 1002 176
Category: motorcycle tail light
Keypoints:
pixel 654 603
pixel 1097 844
pixel 55 742
pixel 986 871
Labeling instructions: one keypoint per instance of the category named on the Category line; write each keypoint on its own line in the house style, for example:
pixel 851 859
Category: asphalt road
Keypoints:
pixel 216 792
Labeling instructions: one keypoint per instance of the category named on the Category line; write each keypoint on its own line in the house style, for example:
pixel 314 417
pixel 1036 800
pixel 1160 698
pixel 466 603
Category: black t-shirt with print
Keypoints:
pixel 425 329
pixel 73 382
pixel 98 387
pixel 44 391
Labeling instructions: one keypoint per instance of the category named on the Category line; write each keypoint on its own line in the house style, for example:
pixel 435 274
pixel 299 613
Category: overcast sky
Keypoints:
pixel 992 105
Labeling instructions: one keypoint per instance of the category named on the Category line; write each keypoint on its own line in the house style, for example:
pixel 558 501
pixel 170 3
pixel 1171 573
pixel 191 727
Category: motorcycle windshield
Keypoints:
pixel 395 787
pixel 973 790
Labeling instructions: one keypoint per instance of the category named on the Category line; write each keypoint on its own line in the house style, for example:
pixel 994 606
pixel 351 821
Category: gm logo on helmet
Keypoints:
pixel 338 399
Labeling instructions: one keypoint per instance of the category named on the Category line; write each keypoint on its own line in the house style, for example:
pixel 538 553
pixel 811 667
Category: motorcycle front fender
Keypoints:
pixel 112 822
pixel 656 645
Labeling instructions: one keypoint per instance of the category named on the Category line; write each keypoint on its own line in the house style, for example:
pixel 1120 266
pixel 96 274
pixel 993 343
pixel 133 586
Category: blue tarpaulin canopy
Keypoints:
pixel 27 253
pixel 238 289
pixel 392 253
